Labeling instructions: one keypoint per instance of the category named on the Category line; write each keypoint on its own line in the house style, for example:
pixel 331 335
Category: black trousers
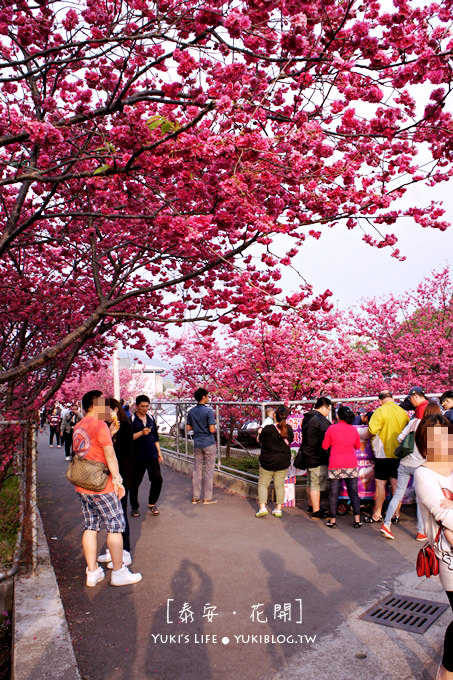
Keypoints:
pixel 54 431
pixel 126 535
pixel 447 659
pixel 139 467
pixel 67 440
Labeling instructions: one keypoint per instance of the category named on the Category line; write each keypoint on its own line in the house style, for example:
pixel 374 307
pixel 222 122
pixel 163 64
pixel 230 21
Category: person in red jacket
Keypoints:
pixel 418 400
pixel 343 440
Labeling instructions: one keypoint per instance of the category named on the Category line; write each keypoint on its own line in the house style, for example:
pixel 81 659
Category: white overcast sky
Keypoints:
pixel 352 270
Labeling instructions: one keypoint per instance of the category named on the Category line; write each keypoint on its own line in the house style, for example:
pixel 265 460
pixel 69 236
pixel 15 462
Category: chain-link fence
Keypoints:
pixel 18 456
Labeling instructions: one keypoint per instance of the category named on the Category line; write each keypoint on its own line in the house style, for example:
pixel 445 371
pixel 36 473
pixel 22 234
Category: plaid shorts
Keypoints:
pixel 102 508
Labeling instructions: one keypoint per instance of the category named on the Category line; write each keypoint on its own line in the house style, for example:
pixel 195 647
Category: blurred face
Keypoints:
pixel 101 409
pixel 439 448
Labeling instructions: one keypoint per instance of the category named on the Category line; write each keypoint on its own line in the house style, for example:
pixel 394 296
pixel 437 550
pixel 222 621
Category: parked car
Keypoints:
pixel 165 416
pixel 247 434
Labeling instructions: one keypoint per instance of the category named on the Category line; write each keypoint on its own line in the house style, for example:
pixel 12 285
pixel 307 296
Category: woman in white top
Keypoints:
pixel 406 470
pixel 434 489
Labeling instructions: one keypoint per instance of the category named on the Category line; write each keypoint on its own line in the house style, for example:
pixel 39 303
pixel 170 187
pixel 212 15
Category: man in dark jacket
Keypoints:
pixel 314 426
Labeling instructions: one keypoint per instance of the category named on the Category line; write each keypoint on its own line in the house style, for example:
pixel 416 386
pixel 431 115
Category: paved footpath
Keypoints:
pixel 270 599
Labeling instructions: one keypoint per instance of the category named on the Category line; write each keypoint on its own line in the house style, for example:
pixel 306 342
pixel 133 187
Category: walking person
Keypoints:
pixel 385 425
pixel 201 421
pixel 92 441
pixel 146 456
pixel 406 471
pixel 434 489
pixel 275 459
pixel 68 422
pixel 121 432
pixel 54 420
pixel 343 440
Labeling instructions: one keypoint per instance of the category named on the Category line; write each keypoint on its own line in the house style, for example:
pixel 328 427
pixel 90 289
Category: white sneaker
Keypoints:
pixel 50 446
pixel 106 557
pixel 67 457
pixel 127 560
pixel 94 577
pixel 123 577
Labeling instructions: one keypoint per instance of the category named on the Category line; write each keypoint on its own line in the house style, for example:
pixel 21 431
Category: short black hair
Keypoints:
pixel 199 394
pixel 141 398
pixel 88 399
pixel 323 401
pixel 446 395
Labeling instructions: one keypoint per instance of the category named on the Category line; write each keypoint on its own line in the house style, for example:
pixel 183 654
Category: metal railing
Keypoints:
pixel 240 411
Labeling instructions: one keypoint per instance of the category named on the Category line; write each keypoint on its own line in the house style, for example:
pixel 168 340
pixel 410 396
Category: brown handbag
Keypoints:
pixel 88 474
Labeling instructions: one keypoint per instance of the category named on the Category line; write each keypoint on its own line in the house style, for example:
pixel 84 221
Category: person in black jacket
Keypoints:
pixel 121 431
pixel 314 427
pixel 275 459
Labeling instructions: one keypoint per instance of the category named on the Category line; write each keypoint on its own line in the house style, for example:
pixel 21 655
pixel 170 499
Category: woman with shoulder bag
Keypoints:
pixel 121 431
pixel 275 459
pixel 434 489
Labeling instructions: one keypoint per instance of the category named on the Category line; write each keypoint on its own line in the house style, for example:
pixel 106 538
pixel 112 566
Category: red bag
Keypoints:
pixel 427 562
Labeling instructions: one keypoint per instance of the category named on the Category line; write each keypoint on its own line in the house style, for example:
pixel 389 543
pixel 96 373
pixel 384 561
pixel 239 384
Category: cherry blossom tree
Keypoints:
pixel 407 340
pixel 132 382
pixel 153 155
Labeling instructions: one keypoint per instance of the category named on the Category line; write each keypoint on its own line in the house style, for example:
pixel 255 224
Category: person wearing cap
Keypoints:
pixel 446 401
pixel 385 425
pixel 418 400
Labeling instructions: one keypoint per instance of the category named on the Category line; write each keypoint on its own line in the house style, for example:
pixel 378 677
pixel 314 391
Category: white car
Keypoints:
pixel 165 417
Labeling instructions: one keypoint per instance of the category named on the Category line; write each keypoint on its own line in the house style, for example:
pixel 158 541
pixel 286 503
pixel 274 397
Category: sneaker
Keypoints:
pixel 396 519
pixel 127 560
pixel 106 557
pixel 387 533
pixel 277 513
pixel 123 577
pixel 94 577
pixel 262 512
pixel 210 501
pixel 67 457
pixel 51 446
pixel 421 537
pixel 59 446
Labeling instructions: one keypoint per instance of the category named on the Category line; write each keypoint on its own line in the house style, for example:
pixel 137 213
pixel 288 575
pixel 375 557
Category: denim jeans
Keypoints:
pixel 404 474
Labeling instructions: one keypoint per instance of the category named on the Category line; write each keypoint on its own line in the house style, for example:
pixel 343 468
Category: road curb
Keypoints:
pixel 42 646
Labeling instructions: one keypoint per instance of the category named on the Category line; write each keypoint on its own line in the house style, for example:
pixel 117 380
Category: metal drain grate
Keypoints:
pixel 408 613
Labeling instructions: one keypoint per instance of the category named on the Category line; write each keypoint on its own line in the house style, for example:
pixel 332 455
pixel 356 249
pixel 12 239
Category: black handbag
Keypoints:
pixel 300 461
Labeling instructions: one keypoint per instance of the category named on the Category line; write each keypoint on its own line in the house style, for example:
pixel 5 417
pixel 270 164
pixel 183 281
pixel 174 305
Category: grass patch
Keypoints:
pixel 244 463
pixel 9 518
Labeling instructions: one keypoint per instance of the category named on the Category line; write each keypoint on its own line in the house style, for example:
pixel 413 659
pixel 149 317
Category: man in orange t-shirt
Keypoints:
pixel 92 441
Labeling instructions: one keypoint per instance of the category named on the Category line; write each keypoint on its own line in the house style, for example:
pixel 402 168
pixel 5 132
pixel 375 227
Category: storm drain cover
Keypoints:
pixel 408 613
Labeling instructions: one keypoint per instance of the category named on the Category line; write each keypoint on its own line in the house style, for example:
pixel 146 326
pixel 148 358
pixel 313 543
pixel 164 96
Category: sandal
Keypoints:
pixel 153 510
pixel 135 513
pixel 369 519
pixel 331 524
pixel 357 525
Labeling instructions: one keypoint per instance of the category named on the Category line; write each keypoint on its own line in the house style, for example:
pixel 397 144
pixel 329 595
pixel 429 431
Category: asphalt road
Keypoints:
pixel 216 582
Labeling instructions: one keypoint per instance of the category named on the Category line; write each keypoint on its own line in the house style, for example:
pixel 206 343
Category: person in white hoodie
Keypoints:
pixel 434 489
